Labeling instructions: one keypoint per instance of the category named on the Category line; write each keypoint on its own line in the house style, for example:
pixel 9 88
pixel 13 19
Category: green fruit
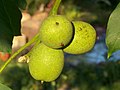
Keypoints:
pixel 84 38
pixel 45 63
pixel 56 31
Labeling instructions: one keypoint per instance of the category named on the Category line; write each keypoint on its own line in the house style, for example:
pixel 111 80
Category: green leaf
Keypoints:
pixel 21 4
pixel 10 24
pixel 14 16
pixel 3 87
pixel 5 37
pixel 113 31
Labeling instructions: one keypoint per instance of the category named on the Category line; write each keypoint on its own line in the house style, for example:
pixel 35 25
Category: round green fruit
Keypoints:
pixel 84 38
pixel 45 63
pixel 56 31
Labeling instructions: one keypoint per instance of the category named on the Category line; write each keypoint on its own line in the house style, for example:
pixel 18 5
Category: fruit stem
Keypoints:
pixel 55 7
pixel 18 51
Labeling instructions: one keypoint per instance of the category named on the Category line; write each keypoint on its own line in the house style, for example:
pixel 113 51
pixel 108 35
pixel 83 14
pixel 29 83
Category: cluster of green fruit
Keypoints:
pixel 58 34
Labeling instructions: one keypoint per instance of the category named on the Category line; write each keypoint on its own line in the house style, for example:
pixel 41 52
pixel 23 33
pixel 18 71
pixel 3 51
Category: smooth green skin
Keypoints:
pixel 45 63
pixel 56 31
pixel 84 38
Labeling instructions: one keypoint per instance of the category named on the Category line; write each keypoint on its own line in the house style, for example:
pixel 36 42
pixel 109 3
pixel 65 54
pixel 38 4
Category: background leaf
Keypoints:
pixel 10 24
pixel 21 4
pixel 113 31
pixel 14 16
pixel 3 87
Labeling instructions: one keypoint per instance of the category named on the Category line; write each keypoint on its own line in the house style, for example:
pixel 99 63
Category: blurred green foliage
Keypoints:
pixel 93 11
pixel 33 5
pixel 84 76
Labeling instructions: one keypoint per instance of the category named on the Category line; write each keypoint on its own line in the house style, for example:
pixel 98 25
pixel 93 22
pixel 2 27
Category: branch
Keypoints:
pixel 18 51
pixel 55 7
